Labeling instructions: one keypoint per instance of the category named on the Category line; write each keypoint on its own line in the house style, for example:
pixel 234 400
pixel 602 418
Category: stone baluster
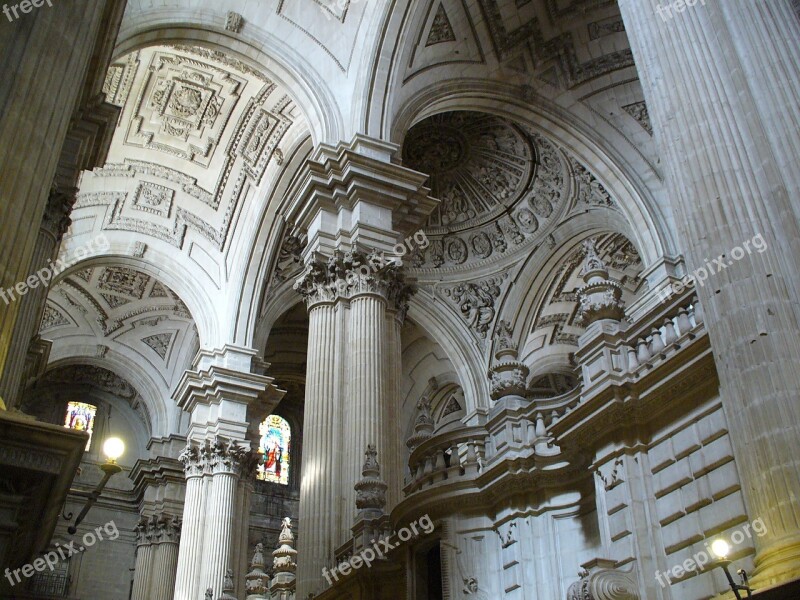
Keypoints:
pixel 670 335
pixel 684 323
pixel 633 359
pixel 643 352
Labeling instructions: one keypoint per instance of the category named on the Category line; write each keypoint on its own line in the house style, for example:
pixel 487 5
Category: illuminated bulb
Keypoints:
pixel 113 448
pixel 720 548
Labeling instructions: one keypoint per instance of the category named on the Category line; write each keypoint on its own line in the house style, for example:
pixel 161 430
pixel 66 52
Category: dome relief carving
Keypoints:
pixel 477 164
pixel 502 187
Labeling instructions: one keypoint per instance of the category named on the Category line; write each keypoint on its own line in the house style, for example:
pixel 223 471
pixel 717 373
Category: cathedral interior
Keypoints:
pixel 400 299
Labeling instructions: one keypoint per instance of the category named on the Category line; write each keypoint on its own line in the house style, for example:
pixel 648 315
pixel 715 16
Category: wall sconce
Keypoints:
pixel 721 549
pixel 113 448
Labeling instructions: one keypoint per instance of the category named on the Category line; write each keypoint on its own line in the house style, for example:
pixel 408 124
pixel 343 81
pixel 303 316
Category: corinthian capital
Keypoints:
pixel 192 460
pixel 355 273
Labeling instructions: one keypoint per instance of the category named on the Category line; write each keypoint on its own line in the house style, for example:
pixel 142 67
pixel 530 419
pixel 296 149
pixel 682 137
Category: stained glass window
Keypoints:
pixel 276 439
pixel 80 416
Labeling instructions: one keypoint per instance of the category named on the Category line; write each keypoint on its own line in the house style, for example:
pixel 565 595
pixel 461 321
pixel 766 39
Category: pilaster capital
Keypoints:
pixel 56 219
pixel 219 455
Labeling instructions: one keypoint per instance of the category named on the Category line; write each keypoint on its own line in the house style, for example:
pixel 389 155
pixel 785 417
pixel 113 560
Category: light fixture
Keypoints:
pixel 721 550
pixel 113 448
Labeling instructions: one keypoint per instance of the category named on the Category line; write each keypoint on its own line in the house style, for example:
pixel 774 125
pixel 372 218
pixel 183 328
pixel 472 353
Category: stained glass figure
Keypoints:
pixel 80 416
pixel 274 447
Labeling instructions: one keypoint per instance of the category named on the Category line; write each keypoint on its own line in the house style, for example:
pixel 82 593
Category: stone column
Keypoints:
pixel 227 396
pixel 54 61
pixel 143 569
pixel 54 225
pixel 165 558
pixel 226 466
pixel 704 71
pixel 319 507
pixel 191 543
pixel 350 290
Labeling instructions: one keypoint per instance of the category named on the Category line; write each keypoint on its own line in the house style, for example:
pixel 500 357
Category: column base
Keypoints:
pixel 777 564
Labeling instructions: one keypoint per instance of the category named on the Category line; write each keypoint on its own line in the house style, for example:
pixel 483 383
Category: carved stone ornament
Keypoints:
pixel 508 376
pixel 602 582
pixel 284 557
pixel 423 426
pixel 257 584
pixel 228 588
pixel 601 297
pixel 217 456
pixel 371 489
pixel 346 275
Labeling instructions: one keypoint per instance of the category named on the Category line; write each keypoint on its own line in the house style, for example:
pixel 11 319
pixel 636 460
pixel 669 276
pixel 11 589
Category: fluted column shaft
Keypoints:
pixel 165 563
pixel 219 515
pixel 319 504
pixel 707 73
pixel 143 571
pixel 31 305
pixel 364 411
pixel 191 545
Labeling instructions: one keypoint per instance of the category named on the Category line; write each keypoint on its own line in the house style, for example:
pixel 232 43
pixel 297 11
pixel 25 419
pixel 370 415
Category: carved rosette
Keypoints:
pixel 257 579
pixel 354 273
pixel 508 376
pixel 601 297
pixel 604 584
pixel 371 489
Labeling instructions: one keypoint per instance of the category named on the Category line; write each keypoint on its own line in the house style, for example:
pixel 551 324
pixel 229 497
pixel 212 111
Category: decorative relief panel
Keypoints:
pixel 52 318
pixel 183 107
pixel 555 55
pixel 153 198
pixel 638 110
pixel 441 30
pixel 476 302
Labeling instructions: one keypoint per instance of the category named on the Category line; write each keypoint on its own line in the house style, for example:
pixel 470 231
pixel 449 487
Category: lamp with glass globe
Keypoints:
pixel 113 448
pixel 721 549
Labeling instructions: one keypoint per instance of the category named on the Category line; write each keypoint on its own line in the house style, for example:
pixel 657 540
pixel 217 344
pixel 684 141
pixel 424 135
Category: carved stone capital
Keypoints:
pixel 59 206
pixel 601 582
pixel 355 273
